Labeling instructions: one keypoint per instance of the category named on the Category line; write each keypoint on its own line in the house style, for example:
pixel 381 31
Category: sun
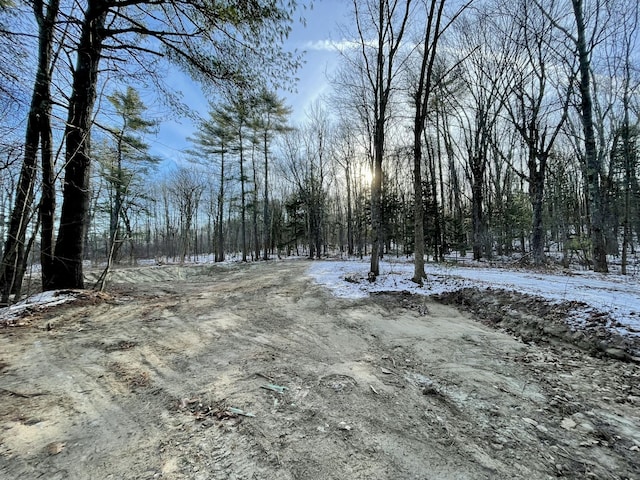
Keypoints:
pixel 366 175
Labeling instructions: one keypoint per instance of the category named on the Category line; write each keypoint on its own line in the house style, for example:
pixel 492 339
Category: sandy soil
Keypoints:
pixel 254 372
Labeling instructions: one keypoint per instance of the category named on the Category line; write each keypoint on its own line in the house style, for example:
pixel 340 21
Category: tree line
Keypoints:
pixel 82 50
pixel 492 127
pixel 485 126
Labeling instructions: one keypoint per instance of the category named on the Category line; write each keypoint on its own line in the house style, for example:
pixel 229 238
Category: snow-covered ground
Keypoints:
pixel 616 295
pixel 11 314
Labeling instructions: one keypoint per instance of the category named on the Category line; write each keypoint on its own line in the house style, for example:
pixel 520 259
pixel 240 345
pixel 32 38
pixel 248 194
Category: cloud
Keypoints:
pixel 330 45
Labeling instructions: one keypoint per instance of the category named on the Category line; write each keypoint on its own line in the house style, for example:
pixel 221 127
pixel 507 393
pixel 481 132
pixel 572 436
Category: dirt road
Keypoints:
pixel 254 372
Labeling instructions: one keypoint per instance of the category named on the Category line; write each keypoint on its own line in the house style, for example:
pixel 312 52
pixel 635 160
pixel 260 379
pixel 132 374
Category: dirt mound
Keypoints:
pixel 535 319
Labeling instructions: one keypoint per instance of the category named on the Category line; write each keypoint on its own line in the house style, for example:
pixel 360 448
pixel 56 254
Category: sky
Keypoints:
pixel 322 27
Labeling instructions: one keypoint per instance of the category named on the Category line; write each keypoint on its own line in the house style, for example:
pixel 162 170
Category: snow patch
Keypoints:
pixel 617 296
pixel 38 301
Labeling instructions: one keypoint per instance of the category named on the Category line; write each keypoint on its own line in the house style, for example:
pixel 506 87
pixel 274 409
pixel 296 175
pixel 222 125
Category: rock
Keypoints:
pixel 568 423
pixel 54 448
pixel 344 426
pixel 586 427
pixel 616 353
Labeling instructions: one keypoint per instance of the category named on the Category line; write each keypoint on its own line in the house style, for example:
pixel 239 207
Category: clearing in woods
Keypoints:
pixel 255 372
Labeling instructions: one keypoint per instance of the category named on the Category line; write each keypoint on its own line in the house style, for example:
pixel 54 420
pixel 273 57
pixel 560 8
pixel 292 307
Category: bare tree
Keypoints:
pixel 538 97
pixel 344 152
pixel 381 27
pixel 625 150
pixel 584 50
pixel 38 135
pixel 477 111
pixel 583 32
pixel 186 187
pixel 306 156
pixel 421 94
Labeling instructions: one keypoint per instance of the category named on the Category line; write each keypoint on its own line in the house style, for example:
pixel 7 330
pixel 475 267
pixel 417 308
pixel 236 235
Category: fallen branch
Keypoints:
pixel 21 395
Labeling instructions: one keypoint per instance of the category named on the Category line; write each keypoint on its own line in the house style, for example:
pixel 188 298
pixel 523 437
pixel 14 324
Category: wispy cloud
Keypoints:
pixel 330 45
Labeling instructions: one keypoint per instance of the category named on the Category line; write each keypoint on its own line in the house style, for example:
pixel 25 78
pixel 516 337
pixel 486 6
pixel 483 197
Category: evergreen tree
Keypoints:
pixel 128 161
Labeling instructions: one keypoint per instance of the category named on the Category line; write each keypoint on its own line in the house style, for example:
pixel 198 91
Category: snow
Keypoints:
pixel 38 301
pixel 616 295
pixel 612 294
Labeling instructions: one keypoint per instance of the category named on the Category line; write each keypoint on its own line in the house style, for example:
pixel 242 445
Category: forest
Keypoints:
pixel 429 272
pixel 491 129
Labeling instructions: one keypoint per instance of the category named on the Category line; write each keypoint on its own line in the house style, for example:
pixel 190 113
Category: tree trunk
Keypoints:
pixel 628 174
pixel 243 206
pixel 24 261
pixel 265 213
pixel 115 238
pixel 22 210
pixel 48 199
pixel 592 161
pixel 376 201
pixel 437 230
pixel 418 209
pixel 168 244
pixel 477 219
pixel 38 131
pixel 254 210
pixel 220 216
pixel 536 192
pixel 67 261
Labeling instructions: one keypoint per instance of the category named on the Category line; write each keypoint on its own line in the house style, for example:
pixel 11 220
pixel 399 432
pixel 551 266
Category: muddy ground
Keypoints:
pixel 255 372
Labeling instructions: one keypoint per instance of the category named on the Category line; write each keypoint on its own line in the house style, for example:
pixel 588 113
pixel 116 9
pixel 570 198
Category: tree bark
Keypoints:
pixel 220 216
pixel 243 206
pixel 536 192
pixel 421 101
pixel 265 213
pixel 254 210
pixel 48 199
pixel 418 209
pixel 477 219
pixel 69 249
pixel 592 161
pixel 38 131
pixel 376 200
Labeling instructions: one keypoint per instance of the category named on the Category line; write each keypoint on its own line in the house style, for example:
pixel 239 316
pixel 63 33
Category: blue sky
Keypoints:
pixel 322 27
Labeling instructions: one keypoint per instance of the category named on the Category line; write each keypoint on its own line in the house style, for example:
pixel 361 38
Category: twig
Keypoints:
pixel 389 357
pixel 264 376
pixel 21 395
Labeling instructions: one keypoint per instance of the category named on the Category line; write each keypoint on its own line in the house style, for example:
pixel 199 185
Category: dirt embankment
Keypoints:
pixel 254 372
pixel 535 319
